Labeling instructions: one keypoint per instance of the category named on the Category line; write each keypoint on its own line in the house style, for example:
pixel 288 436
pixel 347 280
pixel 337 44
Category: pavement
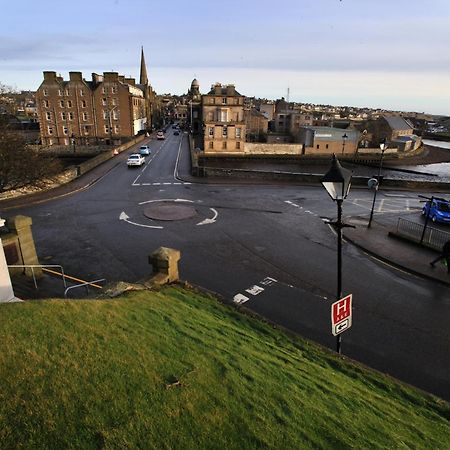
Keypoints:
pixel 375 241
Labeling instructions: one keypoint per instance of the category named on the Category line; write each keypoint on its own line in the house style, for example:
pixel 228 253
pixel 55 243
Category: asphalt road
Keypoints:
pixel 242 238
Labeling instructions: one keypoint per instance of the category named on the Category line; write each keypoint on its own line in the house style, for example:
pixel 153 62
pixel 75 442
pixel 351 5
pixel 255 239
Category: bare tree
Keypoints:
pixel 22 165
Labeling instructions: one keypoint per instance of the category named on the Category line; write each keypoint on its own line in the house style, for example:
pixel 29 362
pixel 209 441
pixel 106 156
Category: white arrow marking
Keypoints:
pixel 167 200
pixel 209 221
pixel 239 299
pixel 123 216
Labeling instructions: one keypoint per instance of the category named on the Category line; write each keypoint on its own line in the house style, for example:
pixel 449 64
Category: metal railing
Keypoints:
pixel 432 237
pixel 43 267
pixel 86 284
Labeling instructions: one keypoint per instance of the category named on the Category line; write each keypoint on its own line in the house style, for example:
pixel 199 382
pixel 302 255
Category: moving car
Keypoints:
pixel 135 159
pixel 144 150
pixel 176 133
pixel 438 210
pixel 160 135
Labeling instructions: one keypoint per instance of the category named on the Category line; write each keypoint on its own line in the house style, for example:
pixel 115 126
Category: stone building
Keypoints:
pixel 223 119
pixel 108 109
pixel 195 108
pixel 328 140
pixel 256 124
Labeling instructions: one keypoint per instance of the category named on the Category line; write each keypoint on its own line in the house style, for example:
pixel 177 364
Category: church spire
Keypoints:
pixel 143 76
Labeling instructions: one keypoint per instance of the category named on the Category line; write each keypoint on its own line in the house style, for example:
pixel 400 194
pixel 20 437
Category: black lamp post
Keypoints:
pixel 344 138
pixel 377 185
pixel 337 183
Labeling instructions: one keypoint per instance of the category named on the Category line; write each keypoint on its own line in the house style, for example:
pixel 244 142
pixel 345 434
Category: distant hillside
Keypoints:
pixel 177 370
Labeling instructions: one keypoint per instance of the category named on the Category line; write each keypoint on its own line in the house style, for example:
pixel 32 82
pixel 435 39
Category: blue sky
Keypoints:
pixel 377 53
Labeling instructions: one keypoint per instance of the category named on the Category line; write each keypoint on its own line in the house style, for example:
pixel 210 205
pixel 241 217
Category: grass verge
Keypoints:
pixel 175 369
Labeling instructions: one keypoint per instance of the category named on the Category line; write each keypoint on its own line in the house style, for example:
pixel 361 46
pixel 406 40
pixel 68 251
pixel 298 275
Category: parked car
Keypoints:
pixel 160 135
pixel 176 133
pixel 144 150
pixel 135 159
pixel 438 210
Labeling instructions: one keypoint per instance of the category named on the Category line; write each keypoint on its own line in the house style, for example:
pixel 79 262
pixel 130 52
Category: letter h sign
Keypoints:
pixel 341 315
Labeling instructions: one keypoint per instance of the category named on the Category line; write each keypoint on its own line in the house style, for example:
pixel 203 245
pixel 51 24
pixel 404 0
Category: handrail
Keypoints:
pixel 87 284
pixel 42 266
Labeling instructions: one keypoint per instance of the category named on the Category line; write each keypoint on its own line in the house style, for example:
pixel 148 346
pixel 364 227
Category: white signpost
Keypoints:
pixel 6 290
pixel 341 315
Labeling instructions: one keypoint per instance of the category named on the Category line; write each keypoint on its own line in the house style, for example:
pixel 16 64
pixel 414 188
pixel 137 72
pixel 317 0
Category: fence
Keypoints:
pixel 432 238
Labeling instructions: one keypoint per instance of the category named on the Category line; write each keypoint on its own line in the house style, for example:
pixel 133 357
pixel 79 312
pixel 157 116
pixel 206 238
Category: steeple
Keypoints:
pixel 143 77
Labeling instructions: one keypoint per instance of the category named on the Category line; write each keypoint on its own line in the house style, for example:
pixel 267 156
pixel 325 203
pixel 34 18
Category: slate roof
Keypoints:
pixel 397 123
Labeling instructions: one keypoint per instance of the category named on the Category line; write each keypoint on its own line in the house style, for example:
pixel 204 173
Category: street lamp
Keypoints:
pixel 344 138
pixel 377 184
pixel 337 183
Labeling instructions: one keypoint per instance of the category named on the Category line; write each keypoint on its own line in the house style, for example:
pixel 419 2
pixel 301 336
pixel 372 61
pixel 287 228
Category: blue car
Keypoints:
pixel 438 210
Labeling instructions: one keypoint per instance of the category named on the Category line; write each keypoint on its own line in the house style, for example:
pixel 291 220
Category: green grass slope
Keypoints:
pixel 176 370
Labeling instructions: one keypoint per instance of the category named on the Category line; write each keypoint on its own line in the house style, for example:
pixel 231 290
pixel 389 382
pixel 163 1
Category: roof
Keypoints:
pixel 397 123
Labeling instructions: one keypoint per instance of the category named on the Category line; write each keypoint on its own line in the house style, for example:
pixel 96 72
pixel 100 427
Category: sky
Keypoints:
pixel 391 54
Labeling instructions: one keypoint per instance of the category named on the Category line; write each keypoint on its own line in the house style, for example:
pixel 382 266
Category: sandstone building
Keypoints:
pixel 108 109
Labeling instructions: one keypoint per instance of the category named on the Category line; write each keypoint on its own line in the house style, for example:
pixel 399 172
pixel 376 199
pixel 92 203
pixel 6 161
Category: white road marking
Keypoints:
pixel 268 281
pixel 209 221
pixel 123 216
pixel 254 290
pixel 292 203
pixel 239 299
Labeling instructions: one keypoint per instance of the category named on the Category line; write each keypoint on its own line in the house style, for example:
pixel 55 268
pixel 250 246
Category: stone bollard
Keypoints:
pixel 21 225
pixel 165 265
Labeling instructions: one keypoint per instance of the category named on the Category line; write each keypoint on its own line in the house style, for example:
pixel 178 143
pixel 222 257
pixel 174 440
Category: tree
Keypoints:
pixel 22 165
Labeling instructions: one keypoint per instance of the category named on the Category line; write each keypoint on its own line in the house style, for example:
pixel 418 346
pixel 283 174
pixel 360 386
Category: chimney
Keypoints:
pixel 231 90
pixel 122 78
pixel 75 76
pixel 49 76
pixel 96 78
pixel 217 88
pixel 111 76
pixel 131 81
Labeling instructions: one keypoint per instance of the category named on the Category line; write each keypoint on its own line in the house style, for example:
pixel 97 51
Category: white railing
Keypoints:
pixel 432 237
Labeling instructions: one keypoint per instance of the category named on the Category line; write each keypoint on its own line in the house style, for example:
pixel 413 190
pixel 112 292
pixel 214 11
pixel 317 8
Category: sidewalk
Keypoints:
pixel 397 252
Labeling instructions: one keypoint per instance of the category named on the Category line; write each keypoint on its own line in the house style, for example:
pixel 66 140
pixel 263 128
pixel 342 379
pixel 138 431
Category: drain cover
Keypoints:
pixel 169 211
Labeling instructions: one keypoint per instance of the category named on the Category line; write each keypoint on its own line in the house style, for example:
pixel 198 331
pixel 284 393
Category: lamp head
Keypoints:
pixel 337 180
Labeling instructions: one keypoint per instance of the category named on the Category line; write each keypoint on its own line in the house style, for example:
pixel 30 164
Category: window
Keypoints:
pixel 65 130
pixel 238 132
pixel 86 129
pixel 60 92
pixel 103 90
pixel 238 145
pixel 210 115
pixel 83 103
pixel 211 144
pixel 71 116
pixel 69 103
pixel 114 89
pixel 116 115
pixel 67 92
pixel 224 132
pixel 104 101
pixel 116 129
pixel 224 100
pixel 61 103
pixel 49 115
pixel 106 129
pixel 63 115
pixel 213 100
pixel 66 141
pixel 223 115
pixel 105 114
pixel 326 146
pixel 85 116
pixel 318 146
pixel 45 92
pixel 81 92
pixel 46 103
pixel 114 101
pixel 224 145
pixel 50 130
pixel 211 131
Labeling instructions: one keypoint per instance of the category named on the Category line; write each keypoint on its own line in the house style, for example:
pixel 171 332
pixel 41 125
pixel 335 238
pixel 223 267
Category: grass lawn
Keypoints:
pixel 175 369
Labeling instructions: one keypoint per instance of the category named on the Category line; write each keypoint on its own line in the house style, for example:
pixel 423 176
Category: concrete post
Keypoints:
pixel 165 265
pixel 21 225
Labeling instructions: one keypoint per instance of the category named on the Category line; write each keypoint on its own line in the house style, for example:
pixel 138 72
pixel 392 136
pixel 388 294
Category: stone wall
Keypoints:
pixel 257 148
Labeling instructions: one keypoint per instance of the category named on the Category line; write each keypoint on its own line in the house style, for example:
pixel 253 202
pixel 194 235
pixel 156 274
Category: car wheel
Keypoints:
pixel 433 219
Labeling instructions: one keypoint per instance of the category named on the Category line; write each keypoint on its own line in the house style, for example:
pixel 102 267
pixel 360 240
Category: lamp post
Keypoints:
pixel 344 138
pixel 377 185
pixel 337 183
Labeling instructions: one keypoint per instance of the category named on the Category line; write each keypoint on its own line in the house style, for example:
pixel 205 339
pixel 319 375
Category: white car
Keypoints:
pixel 135 160
pixel 160 135
pixel 144 150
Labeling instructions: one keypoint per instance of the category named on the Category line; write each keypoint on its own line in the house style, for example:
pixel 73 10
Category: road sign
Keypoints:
pixel 341 315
